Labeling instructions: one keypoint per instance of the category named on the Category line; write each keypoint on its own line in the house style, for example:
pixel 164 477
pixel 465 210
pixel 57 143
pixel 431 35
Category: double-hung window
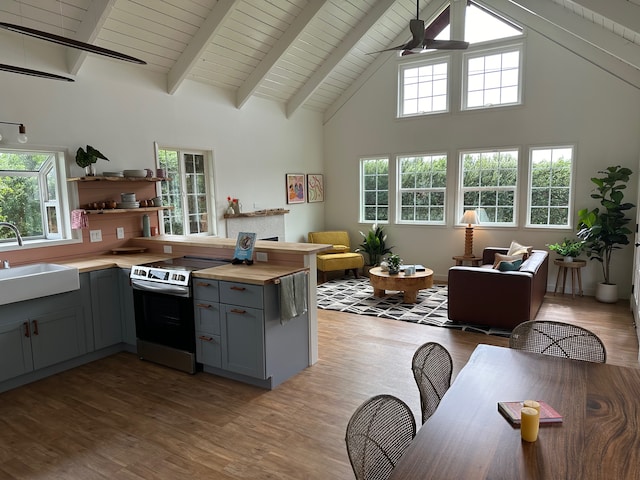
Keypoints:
pixel 190 191
pixel 550 184
pixel 423 87
pixel 33 195
pixel 489 181
pixel 374 190
pixel 492 78
pixel 422 192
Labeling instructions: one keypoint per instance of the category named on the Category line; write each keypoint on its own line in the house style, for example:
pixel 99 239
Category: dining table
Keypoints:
pixel 467 438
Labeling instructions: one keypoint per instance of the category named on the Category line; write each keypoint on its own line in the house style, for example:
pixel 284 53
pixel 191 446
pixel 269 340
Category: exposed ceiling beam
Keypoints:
pixel 350 41
pixel 277 51
pixel 428 13
pixel 595 44
pixel 94 19
pixel 621 12
pixel 197 46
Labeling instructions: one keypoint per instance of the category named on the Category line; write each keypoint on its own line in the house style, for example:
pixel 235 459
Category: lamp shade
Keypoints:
pixel 470 217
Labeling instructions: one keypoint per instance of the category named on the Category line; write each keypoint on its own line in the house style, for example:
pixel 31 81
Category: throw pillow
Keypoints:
pixel 516 249
pixel 505 258
pixel 509 266
pixel 338 249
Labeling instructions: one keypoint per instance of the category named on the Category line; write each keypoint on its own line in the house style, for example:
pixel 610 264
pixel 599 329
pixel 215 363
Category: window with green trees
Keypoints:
pixel 489 181
pixel 374 190
pixel 550 184
pixel 30 194
pixel 190 191
pixel 422 188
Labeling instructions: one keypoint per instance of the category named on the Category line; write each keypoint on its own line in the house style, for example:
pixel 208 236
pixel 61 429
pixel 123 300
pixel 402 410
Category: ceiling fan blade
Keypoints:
pixel 399 47
pixel 69 42
pixel 430 44
pixel 417 30
pixel 33 73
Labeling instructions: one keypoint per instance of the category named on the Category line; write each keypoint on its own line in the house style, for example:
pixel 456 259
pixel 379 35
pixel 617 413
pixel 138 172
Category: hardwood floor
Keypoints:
pixel 123 418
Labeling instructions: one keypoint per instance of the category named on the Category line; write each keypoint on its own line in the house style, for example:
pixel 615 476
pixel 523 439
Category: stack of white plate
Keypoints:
pixel 135 173
pixel 113 174
pixel 129 205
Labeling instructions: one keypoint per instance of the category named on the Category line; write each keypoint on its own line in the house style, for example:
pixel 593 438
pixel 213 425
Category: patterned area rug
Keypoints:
pixel 355 295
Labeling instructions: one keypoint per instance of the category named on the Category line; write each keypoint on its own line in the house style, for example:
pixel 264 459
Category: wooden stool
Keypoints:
pixel 575 268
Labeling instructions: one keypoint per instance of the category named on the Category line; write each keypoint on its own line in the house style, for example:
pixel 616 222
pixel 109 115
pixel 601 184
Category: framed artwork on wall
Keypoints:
pixel 315 187
pixel 296 189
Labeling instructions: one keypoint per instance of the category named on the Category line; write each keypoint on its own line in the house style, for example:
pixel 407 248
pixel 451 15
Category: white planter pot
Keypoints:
pixel 568 259
pixel 607 293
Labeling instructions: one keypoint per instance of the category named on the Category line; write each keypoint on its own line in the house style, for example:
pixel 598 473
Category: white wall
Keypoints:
pixel 567 100
pixel 122 109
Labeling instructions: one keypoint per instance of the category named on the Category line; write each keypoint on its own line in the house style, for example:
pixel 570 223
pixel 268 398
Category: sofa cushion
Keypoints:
pixel 513 266
pixel 505 258
pixel 516 249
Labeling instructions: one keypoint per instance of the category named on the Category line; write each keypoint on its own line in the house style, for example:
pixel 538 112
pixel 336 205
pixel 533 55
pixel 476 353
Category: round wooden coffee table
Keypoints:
pixel 408 284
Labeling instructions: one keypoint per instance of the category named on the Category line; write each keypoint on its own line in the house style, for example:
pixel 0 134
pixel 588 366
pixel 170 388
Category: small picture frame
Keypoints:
pixel 296 188
pixel 315 187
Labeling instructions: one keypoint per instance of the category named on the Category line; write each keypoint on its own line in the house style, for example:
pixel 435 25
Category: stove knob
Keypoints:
pixel 181 278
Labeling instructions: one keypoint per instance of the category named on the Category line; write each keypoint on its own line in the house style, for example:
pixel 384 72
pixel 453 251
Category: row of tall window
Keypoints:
pixel 422 187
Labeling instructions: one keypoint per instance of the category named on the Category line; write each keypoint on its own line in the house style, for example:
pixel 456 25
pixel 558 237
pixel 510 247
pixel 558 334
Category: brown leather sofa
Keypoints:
pixel 485 296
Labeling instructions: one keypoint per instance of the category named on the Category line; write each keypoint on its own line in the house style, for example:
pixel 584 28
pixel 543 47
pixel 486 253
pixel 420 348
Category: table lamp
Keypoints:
pixel 470 217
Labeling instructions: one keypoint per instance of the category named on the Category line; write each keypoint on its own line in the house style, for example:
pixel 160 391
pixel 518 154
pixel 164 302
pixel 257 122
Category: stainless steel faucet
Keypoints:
pixel 14 228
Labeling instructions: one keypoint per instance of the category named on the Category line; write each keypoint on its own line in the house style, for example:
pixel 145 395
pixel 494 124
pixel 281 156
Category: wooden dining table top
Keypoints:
pixel 468 439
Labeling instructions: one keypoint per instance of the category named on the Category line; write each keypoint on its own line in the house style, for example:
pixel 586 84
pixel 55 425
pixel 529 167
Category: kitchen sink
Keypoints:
pixel 36 280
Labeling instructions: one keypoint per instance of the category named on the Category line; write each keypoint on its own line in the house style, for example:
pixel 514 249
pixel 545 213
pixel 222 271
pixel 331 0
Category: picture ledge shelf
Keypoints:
pixel 258 213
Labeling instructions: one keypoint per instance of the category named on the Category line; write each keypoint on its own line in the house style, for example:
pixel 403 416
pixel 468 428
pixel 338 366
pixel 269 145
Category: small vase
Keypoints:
pixel 394 270
pixel 230 211
pixel 90 170
pixel 236 208
pixel 568 259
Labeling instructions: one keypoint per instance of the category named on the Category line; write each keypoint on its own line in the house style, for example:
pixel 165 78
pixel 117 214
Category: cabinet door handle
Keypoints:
pixel 240 289
pixel 203 284
pixel 237 310
pixel 35 327
pixel 205 338
pixel 27 332
pixel 203 305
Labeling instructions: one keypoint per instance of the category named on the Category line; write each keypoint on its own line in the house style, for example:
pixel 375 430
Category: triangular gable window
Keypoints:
pixel 481 25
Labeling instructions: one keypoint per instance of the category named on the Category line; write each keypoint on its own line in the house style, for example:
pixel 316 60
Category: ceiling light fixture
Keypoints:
pixel 69 42
pixel 22 131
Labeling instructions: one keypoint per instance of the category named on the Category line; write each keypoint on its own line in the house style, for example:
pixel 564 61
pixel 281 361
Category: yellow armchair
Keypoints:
pixel 340 257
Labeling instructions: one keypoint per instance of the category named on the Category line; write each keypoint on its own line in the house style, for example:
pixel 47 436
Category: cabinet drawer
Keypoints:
pixel 207 316
pixel 208 351
pixel 241 294
pixel 205 289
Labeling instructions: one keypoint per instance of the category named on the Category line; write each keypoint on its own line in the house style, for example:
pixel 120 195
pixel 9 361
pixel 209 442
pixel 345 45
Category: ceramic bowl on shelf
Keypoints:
pixel 113 174
pixel 129 205
pixel 135 173
pixel 128 197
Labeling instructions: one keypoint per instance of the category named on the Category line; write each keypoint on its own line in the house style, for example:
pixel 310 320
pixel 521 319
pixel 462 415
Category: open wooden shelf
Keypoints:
pixel 99 178
pixel 110 211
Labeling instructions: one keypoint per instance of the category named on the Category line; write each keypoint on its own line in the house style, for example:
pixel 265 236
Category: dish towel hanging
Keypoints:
pixel 293 296
pixel 79 219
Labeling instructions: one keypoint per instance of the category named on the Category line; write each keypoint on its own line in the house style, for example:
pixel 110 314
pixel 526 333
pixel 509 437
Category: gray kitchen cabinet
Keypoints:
pixel 127 313
pixel 105 305
pixel 243 341
pixel 37 333
pixel 207 322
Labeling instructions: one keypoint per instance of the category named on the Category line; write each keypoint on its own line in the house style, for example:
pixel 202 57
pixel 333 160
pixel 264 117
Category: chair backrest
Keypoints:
pixel 378 433
pixel 335 237
pixel 432 367
pixel 558 339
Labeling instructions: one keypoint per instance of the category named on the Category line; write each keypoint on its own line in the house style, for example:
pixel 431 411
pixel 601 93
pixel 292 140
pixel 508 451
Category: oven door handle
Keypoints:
pixel 163 288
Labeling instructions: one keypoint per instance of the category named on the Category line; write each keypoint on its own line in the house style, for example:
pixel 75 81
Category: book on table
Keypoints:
pixel 511 411
pixel 419 268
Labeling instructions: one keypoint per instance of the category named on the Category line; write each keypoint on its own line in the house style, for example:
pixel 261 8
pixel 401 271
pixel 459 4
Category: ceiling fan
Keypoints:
pixel 419 41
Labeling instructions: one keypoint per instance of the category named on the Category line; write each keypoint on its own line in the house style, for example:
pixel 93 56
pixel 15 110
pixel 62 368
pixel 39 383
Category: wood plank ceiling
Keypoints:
pixel 302 53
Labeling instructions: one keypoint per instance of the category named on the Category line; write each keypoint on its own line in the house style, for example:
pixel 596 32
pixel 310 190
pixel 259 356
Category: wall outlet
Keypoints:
pixel 120 233
pixel 167 249
pixel 95 235
pixel 262 257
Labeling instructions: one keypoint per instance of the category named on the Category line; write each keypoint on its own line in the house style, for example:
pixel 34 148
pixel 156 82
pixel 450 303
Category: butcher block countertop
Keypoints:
pixel 256 274
pixel 109 260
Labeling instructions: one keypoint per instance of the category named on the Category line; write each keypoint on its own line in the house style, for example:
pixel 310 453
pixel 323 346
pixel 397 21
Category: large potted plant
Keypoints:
pixel 604 229
pixel 374 245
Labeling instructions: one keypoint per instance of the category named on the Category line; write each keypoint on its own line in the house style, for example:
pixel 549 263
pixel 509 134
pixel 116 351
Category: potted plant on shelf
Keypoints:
pixel 87 159
pixel 374 245
pixel 604 229
pixel 568 248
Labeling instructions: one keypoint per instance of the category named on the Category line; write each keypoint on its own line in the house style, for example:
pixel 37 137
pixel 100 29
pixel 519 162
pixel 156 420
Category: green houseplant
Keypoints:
pixel 394 261
pixel 374 245
pixel 604 229
pixel 87 158
pixel 568 248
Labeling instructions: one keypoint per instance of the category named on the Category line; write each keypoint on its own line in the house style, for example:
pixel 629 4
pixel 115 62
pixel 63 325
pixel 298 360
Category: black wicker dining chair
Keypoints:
pixel 432 367
pixel 378 433
pixel 558 339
